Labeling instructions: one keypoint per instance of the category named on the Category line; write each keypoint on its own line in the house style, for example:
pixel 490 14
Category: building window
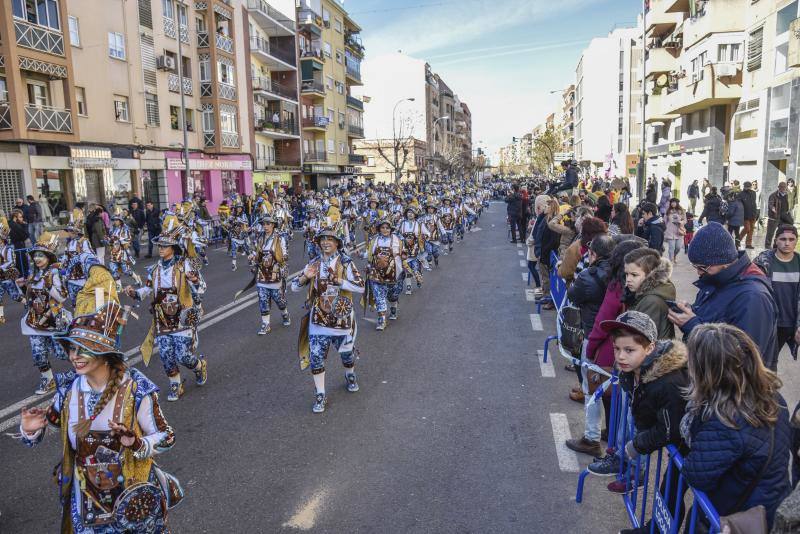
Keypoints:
pixel 339 56
pixel 785 18
pixel 37 94
pixel 697 66
pixel 41 12
pixel 151 109
pixel 3 90
pixel 745 124
pixel 781 58
pixel 80 100
pixel 227 120
pixel 226 74
pixel 116 45
pixel 342 149
pixel 74 31
pixel 208 120
pixel 337 25
pixel 320 146
pixel 205 69
pixel 175 119
pixel 755 43
pixel 331 147
pixel 370 161
pixel 183 18
pixel 326 48
pixel 169 10
pixel 779 117
pixel 728 53
pixel 328 82
pixel 121 108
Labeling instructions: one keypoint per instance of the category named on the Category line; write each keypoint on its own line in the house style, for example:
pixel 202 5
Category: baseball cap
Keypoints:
pixel 634 321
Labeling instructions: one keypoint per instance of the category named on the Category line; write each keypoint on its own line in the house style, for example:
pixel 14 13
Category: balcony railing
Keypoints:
pixel 230 139
pixel 354 73
pixel 277 163
pixel 264 46
pixel 173 84
pixel 224 43
pixel 354 42
pixel 262 124
pixel 306 17
pixel 271 12
pixel 48 119
pixel 39 38
pixel 354 102
pixel 206 89
pixel 202 40
pixel 171 28
pixel 316 122
pixel 315 157
pixel 312 86
pixel 261 83
pixel 5 116
pixel 227 91
pixel 315 53
pixel 209 139
pixel 357 131
pixel 357 159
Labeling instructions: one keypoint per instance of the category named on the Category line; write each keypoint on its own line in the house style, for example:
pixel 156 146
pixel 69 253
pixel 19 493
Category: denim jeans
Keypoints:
pixel 673 247
pixel 593 411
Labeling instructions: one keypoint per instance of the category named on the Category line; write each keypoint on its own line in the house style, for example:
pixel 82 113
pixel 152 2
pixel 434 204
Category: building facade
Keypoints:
pixel 378 164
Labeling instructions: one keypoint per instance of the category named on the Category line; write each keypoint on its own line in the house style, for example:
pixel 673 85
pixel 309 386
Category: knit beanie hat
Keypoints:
pixel 712 245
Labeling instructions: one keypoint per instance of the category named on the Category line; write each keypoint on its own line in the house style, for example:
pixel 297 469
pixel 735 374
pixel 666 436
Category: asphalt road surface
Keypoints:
pixel 458 426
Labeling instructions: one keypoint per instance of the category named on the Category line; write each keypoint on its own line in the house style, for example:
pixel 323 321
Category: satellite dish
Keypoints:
pixel 662 80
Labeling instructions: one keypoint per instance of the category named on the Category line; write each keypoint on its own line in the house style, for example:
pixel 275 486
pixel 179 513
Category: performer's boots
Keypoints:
pixel 425 264
pixel 408 286
pixel 350 378
pixel 381 321
pixel 287 321
pixel 201 372
pixel 2 316
pixel 233 265
pixel 46 383
pixel 137 279
pixel 393 311
pixel 265 328
pixel 436 260
pixel 175 388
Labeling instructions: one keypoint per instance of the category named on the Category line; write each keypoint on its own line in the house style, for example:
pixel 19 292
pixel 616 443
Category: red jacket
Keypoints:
pixel 601 347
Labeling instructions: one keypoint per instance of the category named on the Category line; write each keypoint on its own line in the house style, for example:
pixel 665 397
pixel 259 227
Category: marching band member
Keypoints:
pixel 120 260
pixel 435 229
pixel 77 244
pixel 413 234
pixel 8 269
pixel 448 217
pixel 384 273
pixel 310 229
pixel 238 227
pixel 270 262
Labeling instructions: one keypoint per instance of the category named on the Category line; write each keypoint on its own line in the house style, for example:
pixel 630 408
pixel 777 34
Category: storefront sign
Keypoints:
pixel 176 164
pixel 689 145
pixel 93 163
pixel 323 169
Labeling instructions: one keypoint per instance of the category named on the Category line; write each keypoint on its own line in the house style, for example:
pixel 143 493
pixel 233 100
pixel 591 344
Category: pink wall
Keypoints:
pixel 213 180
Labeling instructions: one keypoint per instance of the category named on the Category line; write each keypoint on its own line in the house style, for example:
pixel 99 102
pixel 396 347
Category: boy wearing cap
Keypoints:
pixel 653 373
pixel 782 267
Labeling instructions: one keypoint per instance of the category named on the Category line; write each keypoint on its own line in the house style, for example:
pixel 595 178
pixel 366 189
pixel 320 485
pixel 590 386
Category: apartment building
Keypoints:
pixel 695 53
pixel 568 119
pixel 764 145
pixel 273 84
pixel 607 106
pixel 91 109
pixel 377 161
pixel 331 116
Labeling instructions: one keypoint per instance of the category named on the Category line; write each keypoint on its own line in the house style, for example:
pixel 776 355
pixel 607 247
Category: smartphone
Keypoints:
pixel 673 306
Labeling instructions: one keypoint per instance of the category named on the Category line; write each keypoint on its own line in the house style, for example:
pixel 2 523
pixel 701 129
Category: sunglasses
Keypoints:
pixel 702 268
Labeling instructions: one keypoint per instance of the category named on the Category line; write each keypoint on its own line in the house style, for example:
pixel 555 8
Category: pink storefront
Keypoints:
pixel 214 177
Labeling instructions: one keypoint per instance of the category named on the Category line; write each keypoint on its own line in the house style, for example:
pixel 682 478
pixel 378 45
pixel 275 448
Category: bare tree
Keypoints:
pixel 401 144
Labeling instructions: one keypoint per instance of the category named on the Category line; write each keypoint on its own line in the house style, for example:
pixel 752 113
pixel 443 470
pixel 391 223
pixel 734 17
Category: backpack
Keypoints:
pixel 571 330
pixel 723 208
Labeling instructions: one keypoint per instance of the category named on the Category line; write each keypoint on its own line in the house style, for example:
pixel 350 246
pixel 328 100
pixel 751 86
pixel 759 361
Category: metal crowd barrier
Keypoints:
pixel 636 474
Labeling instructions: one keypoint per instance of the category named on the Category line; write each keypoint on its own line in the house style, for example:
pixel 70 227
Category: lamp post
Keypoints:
pixel 188 186
pixel 433 156
pixel 394 136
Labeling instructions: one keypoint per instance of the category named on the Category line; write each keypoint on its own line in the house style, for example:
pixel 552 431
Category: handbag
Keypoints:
pixel 571 330
pixel 753 520
pixel 594 379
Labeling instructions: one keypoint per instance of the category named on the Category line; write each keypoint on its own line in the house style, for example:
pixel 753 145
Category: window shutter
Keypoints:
pixel 148 53
pixel 145 14
pixel 754 47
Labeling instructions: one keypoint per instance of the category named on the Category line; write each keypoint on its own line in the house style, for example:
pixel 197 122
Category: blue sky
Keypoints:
pixel 502 57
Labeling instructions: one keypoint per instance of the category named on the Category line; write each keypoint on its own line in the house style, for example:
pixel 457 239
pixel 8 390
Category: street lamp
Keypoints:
pixel 394 136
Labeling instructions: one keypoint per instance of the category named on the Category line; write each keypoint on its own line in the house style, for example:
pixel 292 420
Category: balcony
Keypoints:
pixel 716 84
pixel 355 103
pixel 48 119
pixel 277 164
pixel 224 43
pixel 655 109
pixel 353 75
pixel 279 129
pixel 39 38
pixel 209 139
pixel 171 30
pixel 660 60
pixel 174 84
pixel 353 42
pixel 355 131
pixel 357 159
pixel 711 17
pixel 230 139
pixel 264 85
pixel 312 87
pixel 270 18
pixel 203 40
pixel 659 21
pixel 309 21
pixel 315 56
pixel 276 58
pixel 315 157
pixel 316 123
pixel 5 116
pixel 226 91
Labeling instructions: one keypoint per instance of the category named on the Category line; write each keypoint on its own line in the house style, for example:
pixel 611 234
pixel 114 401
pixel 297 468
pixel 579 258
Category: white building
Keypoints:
pixel 608 102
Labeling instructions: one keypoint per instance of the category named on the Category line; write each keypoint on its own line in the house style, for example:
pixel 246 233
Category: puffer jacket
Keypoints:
pixel 600 347
pixel 569 261
pixel 651 298
pixel 742 296
pixel 722 462
pixel 675 221
pixel 711 210
pixel 657 402
pixel 735 215
pixel 653 231
pixel 587 292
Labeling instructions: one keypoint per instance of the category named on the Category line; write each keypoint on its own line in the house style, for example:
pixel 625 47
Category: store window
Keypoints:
pixel 230 183
pixel 779 117
pixel 51 184
pixel 199 180
pixel 121 191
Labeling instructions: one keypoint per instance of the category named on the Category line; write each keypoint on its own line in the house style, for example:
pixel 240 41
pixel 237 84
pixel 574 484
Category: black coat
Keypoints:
pixel 19 233
pixel 139 218
pixel 748 198
pixel 711 210
pixel 153 221
pixel 653 231
pixel 588 291
pixel 514 205
pixel 657 402
pixel 693 191
pixel 550 241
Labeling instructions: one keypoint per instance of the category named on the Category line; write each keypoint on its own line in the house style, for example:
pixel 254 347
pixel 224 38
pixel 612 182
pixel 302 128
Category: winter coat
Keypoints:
pixel 693 191
pixel 514 205
pixel 567 235
pixel 778 208
pixel 735 215
pixel 600 347
pixel 569 261
pixel 748 198
pixel 97 233
pixel 796 446
pixel 723 461
pixel 653 231
pixel 650 194
pixel 674 222
pixel 547 244
pixel 742 296
pixel 153 221
pixel 657 402
pixel 587 292
pixel 18 233
pixel 663 204
pixel 711 209
pixel 651 298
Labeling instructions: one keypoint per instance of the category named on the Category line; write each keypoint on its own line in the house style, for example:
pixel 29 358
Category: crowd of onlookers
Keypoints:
pixel 701 376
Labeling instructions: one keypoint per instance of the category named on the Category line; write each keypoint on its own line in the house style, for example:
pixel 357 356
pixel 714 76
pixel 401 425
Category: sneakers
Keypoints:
pixel 287 321
pixel 201 373
pixel 46 385
pixel 264 330
pixel 175 391
pixel 408 289
pixel 577 396
pixel 619 486
pixel 233 266
pixel 381 323
pixel 352 384
pixel 320 400
pixel 605 467
pixel 585 446
pixel 393 313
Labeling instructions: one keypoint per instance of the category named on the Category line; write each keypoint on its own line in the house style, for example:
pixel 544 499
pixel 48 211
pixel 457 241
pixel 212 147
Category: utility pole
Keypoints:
pixel 188 184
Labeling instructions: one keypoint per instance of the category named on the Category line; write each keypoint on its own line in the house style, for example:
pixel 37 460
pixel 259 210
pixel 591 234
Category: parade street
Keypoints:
pixel 458 426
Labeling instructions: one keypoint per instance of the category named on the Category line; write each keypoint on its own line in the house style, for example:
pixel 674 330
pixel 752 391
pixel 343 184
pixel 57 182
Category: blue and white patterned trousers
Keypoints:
pixel 239 246
pixel 431 250
pixel 73 290
pixel 447 237
pixel 384 293
pixel 265 295
pixel 319 344
pixel 415 266
pixel 118 269
pixel 174 350
pixel 42 347
pixel 312 250
pixel 8 286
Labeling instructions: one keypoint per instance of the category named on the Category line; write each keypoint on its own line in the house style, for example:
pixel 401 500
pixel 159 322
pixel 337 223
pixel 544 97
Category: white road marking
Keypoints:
pixel 306 516
pixel 519 245
pixel 567 459
pixel 523 263
pixel 525 277
pixel 530 295
pixel 548 371
pixel 536 322
pixel 520 253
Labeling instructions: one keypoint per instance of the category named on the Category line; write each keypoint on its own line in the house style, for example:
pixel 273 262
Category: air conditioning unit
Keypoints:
pixel 165 63
pixel 725 69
